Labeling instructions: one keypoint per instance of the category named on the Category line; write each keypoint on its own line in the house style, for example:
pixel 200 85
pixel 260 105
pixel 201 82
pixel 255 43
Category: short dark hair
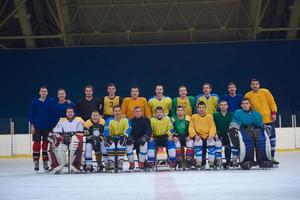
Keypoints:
pixel 159 84
pixel 116 106
pixel 210 86
pixel 96 111
pixel 223 100
pixel 111 85
pixel 61 89
pixel 181 86
pixel 254 80
pixel 135 87
pixel 202 103
pixel 159 108
pixel 245 99
pixel 89 86
pixel 137 107
pixel 179 107
pixel 231 83
pixel 70 108
pixel 43 87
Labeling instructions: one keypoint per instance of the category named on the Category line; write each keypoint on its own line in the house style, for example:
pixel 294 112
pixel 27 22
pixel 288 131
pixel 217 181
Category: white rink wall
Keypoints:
pixel 20 144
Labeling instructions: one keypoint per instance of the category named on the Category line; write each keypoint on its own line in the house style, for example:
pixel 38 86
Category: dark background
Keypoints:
pixel 275 63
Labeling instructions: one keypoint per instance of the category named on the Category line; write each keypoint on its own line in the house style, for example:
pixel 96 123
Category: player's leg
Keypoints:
pixel 104 153
pixel 96 143
pixel 45 144
pixel 170 145
pixel 246 148
pixel 272 138
pixel 111 152
pixel 151 153
pixel 88 157
pixel 121 152
pixel 129 152
pixel 189 153
pixel 226 144
pixel 57 153
pixel 233 135
pixel 218 146
pixel 36 148
pixel 142 153
pixel 204 151
pixel 211 147
pixel 179 155
pixel 76 146
pixel 198 149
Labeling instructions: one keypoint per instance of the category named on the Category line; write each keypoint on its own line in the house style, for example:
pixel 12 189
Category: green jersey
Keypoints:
pixel 181 126
pixel 222 122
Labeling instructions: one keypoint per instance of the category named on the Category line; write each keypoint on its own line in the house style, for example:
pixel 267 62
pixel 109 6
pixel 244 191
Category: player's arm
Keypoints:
pixel 147 109
pixel 212 127
pixel 192 129
pixel 271 102
pixel 127 128
pixel 124 107
pixel 174 106
pixel 148 129
pixel 170 128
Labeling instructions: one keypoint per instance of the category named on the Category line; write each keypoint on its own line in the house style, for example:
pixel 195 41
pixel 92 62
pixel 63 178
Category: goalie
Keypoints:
pixel 248 135
pixel 67 135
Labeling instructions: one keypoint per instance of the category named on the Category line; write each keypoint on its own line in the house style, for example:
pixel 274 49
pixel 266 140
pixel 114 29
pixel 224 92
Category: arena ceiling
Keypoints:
pixel 56 23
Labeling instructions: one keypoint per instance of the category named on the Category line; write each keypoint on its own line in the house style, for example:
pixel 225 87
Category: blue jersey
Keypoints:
pixel 40 113
pixel 243 119
pixel 234 103
pixel 59 110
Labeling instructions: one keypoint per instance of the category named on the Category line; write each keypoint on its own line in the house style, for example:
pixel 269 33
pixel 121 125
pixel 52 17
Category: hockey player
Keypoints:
pixel 160 100
pixel 40 119
pixel 117 130
pixel 162 136
pixel 108 102
pixel 210 100
pixel 181 125
pixel 58 109
pixel 67 132
pixel 140 135
pixel 247 135
pixel 94 129
pixel 232 98
pixel 263 102
pixel 87 104
pixel 187 102
pixel 129 103
pixel 202 132
pixel 222 120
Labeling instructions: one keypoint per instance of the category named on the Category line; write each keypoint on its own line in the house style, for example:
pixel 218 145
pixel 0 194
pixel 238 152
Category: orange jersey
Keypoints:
pixel 129 104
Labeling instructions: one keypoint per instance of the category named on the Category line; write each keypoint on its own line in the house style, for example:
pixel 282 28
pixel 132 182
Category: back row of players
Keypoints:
pixel 114 127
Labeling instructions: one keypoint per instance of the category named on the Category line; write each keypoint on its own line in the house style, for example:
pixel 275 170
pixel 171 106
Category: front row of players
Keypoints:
pixel 186 139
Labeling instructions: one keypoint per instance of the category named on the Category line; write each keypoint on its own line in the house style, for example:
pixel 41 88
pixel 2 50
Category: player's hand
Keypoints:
pixel 274 117
pixel 188 138
pixel 170 138
pixel 197 138
pixel 175 138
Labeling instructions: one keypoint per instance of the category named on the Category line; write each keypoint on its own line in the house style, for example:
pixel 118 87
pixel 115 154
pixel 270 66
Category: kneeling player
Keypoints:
pixel 140 135
pixel 67 133
pixel 162 130
pixel 117 130
pixel 247 136
pixel 94 128
pixel 181 125
pixel 202 132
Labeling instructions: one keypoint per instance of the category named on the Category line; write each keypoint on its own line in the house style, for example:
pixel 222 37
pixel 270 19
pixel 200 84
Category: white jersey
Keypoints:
pixel 66 126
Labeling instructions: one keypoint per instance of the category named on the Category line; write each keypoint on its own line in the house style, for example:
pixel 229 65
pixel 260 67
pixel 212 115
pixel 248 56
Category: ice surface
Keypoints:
pixel 19 181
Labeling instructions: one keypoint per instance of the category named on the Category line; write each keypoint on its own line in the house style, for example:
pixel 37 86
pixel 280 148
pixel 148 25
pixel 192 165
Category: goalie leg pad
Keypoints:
pixel 262 146
pixel 246 145
pixel 272 137
pixel 76 150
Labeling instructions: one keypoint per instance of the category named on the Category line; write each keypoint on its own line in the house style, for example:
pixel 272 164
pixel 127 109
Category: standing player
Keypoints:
pixel 222 120
pixel 160 100
pixel 67 132
pixel 94 129
pixel 140 135
pixel 202 132
pixel 60 107
pixel 162 136
pixel 181 125
pixel 232 98
pixel 263 102
pixel 87 104
pixel 40 119
pixel 210 100
pixel 187 102
pixel 109 101
pixel 129 103
pixel 247 135
pixel 117 130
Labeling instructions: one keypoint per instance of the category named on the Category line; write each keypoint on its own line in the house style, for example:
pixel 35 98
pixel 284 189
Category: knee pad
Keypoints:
pixel 151 150
pixel 246 145
pixel 171 150
pixel 190 149
pixel 218 149
pixel 144 148
pixel 211 149
pixel 88 153
pixel 198 149
pixel 177 144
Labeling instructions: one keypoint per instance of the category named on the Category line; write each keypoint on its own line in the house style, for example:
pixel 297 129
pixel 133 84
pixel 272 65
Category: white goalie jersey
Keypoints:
pixel 66 126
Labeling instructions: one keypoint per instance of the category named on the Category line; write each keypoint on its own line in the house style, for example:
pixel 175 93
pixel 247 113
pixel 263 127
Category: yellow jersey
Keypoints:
pixel 117 128
pixel 107 105
pixel 129 104
pixel 162 126
pixel 263 102
pixel 211 102
pixel 165 103
pixel 202 126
